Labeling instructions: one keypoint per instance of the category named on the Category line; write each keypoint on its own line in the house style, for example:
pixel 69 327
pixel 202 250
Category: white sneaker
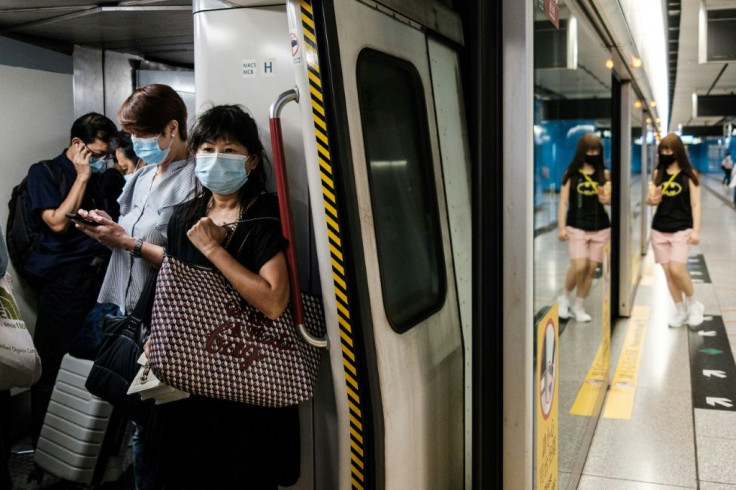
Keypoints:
pixel 579 314
pixel 563 310
pixel 679 319
pixel 695 317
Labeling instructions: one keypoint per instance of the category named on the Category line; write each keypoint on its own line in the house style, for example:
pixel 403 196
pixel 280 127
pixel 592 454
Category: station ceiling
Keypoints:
pixel 162 31
pixel 692 76
pixel 157 30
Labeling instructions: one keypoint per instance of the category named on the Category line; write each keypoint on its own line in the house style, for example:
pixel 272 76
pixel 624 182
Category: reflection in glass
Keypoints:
pixel 637 192
pixel 572 115
pixel 583 223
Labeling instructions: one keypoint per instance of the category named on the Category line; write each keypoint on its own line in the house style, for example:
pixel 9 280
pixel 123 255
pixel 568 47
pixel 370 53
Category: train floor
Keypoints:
pixel 681 429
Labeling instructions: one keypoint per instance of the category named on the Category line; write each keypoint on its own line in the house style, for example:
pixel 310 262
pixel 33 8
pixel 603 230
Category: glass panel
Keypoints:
pixel 402 184
pixel 572 159
pixel 638 189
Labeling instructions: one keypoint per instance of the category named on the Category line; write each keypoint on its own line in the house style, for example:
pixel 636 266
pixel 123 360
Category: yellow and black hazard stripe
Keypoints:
pixel 357 445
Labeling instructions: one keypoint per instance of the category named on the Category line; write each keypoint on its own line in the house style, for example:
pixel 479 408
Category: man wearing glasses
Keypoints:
pixel 67 267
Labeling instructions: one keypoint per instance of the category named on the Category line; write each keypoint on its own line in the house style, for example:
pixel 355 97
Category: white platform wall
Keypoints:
pixel 36 114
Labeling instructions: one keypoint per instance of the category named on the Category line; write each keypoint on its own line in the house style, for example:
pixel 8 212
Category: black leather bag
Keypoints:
pixel 116 363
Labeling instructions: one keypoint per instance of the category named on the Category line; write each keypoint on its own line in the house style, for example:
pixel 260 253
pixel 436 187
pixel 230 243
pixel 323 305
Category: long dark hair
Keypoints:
pixel 232 123
pixel 674 143
pixel 586 143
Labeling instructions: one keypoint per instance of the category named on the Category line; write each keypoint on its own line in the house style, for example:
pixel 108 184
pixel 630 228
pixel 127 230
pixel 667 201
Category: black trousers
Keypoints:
pixel 61 312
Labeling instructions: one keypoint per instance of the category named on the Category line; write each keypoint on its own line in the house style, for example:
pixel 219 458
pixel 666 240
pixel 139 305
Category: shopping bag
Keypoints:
pixel 20 365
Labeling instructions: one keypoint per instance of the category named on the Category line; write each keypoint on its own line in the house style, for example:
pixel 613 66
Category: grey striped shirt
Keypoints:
pixel 145 210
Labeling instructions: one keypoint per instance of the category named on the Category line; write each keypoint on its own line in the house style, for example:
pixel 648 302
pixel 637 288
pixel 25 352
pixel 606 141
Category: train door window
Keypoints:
pixel 402 188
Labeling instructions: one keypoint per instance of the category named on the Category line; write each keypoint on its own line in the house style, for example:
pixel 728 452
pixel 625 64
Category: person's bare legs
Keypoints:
pixel 580 276
pixel 585 280
pixel 681 278
pixel 674 283
pixel 683 294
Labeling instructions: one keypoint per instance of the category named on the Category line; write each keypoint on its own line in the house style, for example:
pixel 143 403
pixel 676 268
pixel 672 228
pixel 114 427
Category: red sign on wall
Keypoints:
pixel 552 11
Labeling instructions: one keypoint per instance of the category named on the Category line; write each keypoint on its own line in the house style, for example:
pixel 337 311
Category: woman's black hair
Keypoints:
pixel 123 142
pixel 228 122
pixel 674 143
pixel 586 143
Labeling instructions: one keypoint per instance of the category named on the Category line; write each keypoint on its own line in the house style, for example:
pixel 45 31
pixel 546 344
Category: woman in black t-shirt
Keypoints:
pixel 233 226
pixel 583 222
pixel 675 190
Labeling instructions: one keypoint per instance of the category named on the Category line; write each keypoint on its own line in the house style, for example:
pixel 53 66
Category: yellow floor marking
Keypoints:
pixel 620 399
pixel 595 381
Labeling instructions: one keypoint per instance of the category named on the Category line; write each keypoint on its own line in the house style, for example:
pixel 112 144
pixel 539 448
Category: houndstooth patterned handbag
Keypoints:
pixel 207 340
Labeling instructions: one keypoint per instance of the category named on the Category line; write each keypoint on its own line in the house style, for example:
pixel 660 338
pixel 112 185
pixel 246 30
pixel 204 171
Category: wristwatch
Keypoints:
pixel 136 251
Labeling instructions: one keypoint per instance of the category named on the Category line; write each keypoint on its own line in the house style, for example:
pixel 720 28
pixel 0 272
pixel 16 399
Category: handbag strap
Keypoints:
pixel 144 306
pixel 231 230
pixel 592 183
pixel 669 182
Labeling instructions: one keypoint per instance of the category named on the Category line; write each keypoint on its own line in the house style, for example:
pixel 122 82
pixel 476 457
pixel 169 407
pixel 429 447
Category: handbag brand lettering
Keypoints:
pixel 240 339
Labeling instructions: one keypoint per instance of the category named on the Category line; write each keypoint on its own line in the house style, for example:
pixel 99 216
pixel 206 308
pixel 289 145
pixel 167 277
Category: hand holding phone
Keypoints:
pixel 78 218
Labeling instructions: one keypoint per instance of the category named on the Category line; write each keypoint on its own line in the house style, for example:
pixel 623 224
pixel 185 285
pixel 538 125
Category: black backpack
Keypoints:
pixel 22 233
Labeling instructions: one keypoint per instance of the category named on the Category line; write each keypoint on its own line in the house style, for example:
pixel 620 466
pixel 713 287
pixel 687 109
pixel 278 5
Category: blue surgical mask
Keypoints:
pixel 222 173
pixel 98 165
pixel 148 150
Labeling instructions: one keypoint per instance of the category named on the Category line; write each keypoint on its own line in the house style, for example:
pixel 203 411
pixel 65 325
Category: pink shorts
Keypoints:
pixel 583 244
pixel 671 246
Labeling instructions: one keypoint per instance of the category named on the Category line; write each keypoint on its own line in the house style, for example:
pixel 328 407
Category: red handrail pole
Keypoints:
pixel 287 226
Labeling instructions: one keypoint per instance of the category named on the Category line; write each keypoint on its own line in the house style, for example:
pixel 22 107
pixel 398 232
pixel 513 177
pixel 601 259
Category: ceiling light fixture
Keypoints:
pixel 609 63
pixel 636 62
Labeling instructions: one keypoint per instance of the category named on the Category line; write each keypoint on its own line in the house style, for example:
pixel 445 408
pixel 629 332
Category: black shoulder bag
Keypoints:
pixel 116 363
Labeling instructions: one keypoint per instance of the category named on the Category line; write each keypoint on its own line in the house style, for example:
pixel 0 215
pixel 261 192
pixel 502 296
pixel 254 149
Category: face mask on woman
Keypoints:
pixel 148 150
pixel 594 160
pixel 97 165
pixel 666 159
pixel 222 173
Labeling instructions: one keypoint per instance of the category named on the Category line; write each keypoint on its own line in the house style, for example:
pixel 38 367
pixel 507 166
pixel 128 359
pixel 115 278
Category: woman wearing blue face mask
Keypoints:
pixel 155 116
pixel 232 225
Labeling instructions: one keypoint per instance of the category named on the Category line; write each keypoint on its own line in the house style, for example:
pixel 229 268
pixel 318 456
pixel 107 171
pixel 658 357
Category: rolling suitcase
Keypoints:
pixel 81 438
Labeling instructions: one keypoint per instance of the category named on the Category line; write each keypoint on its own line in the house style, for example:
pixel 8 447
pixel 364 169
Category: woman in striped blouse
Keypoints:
pixel 155 116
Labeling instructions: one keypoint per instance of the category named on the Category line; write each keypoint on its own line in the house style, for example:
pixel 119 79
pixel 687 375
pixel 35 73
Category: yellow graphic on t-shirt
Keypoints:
pixel 671 189
pixel 587 188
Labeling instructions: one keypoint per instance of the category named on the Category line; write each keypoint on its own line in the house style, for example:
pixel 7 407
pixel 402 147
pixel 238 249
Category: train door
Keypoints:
pixel 389 70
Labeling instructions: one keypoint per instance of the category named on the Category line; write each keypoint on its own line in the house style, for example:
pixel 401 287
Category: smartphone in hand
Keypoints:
pixel 78 218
